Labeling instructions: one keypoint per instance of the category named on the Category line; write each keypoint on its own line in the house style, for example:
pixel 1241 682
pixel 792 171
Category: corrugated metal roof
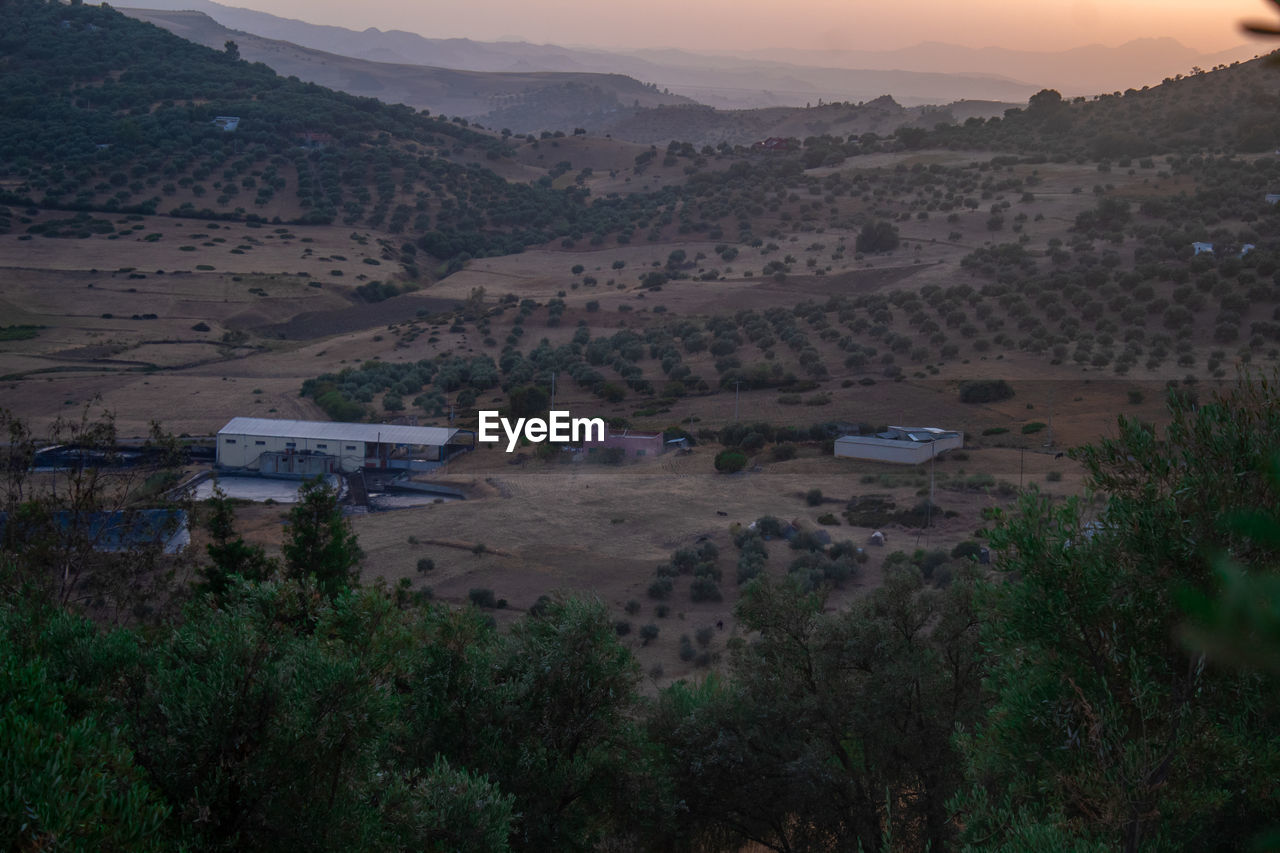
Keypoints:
pixel 874 440
pixel 887 440
pixel 321 430
pixel 912 434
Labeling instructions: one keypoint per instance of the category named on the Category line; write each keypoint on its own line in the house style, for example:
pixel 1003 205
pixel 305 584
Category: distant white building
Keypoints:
pixel 1246 249
pixel 310 448
pixel 1202 247
pixel 1272 198
pixel 227 123
pixel 901 445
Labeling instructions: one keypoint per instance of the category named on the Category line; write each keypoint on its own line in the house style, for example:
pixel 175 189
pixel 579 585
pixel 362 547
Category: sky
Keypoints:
pixel 1207 25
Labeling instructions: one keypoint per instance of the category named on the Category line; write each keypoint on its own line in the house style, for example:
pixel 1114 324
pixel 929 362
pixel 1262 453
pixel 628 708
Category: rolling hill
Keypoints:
pixel 725 82
pixel 534 101
pixel 559 99
pixel 1086 70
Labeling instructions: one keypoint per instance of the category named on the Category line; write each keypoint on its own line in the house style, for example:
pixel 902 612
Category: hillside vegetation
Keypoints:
pixel 1231 108
pixel 529 101
pixel 288 704
pixel 707 651
pixel 102 112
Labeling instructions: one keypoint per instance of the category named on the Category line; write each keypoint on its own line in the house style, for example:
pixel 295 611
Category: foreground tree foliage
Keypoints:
pixel 1107 732
pixel 70 525
pixel 281 720
pixel 321 544
pixel 67 776
pixel 834 732
pixel 284 706
pixel 230 556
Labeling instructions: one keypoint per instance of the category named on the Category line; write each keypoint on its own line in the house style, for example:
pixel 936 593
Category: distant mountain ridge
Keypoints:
pixel 656 96
pixel 528 102
pixel 1086 70
pixel 725 82
pixel 563 100
pixel 927 73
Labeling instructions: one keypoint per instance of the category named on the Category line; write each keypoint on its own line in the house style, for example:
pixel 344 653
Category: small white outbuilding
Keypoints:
pixel 902 445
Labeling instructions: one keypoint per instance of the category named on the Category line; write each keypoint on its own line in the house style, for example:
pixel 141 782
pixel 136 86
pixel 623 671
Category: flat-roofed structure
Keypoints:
pixel 901 445
pixel 310 448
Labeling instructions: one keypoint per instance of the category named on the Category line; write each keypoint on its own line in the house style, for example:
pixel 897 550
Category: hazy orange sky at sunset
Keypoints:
pixel 815 24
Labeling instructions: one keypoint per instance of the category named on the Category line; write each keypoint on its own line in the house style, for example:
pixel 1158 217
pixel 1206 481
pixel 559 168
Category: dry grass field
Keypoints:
pixel 205 321
pixel 559 527
pixel 281 309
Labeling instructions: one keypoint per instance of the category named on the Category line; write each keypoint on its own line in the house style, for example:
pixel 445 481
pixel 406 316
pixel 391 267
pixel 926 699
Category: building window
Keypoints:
pixel 322 447
pixel 229 440
pixel 290 444
pixel 260 443
pixel 640 453
pixel 351 447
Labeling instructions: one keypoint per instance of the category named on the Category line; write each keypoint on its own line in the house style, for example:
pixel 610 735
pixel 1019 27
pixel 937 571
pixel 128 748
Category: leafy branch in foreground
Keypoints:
pixel 1241 623
pixel 1106 729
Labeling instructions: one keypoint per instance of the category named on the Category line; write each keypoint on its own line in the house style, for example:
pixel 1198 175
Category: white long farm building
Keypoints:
pixel 903 445
pixel 309 448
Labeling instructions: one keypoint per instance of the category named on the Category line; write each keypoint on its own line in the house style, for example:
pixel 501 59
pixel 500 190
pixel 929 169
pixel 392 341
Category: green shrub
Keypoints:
pixel 749 568
pixel 483 597
pixel 661 588
pixel 806 541
pixel 704 588
pixel 339 408
pixel 730 461
pixel 377 291
pixel 768 526
pixel 985 391
pixel 24 332
pixel 877 237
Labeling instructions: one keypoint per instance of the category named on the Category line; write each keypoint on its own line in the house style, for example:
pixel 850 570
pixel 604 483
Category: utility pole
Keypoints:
pixel 552 407
pixel 1050 442
pixel 736 384
pixel 928 512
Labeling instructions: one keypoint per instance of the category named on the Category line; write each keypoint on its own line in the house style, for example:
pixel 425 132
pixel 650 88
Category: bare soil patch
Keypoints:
pixel 321 324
